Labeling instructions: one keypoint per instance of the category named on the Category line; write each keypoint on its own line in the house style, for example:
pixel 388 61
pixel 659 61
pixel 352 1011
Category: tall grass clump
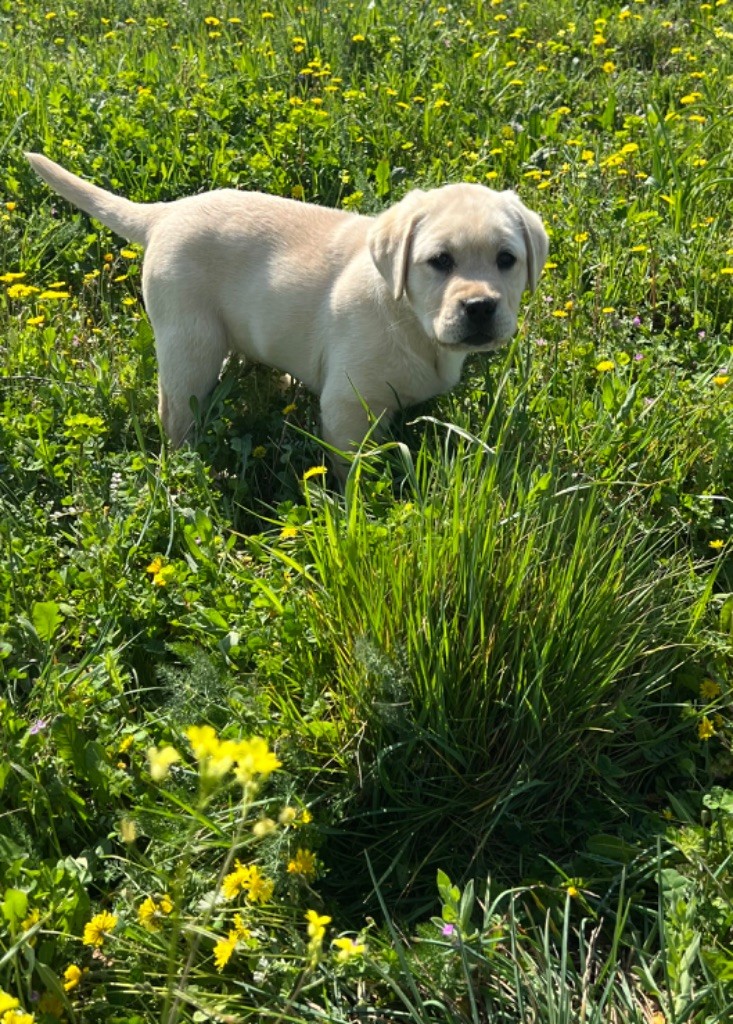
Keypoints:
pixel 500 651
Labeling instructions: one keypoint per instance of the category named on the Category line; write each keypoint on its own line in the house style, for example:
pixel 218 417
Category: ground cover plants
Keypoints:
pixel 452 746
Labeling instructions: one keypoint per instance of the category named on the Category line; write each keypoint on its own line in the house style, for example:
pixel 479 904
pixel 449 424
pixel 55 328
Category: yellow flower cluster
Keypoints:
pixel 303 863
pixel 316 933
pixel 252 759
pixel 10 1012
pixel 247 878
pixel 160 571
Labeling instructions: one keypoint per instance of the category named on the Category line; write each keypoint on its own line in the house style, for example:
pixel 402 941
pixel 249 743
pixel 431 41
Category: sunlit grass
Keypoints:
pixel 502 658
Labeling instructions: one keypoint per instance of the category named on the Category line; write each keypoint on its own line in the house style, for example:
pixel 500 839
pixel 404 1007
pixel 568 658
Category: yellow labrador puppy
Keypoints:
pixel 378 312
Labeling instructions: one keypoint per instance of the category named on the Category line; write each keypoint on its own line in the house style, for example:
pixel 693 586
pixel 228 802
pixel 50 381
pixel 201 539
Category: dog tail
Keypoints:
pixel 132 221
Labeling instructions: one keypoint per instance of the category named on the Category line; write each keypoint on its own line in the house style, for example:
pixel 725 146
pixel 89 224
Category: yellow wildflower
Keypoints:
pixel 287 815
pixel 314 471
pixel 235 881
pixel 98 929
pixel 716 545
pixel 253 757
pixel 705 729
pixel 33 918
pixel 605 365
pixel 215 756
pixel 316 924
pixel 223 951
pixel 259 888
pixel 721 380
pixel 146 914
pixel 72 977
pixel 348 948
pixel 709 689
pixel 7 1002
pixel 160 761
pixel 303 863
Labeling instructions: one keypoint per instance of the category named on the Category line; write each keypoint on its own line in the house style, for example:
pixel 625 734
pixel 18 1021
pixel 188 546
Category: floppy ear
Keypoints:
pixel 390 241
pixel 536 241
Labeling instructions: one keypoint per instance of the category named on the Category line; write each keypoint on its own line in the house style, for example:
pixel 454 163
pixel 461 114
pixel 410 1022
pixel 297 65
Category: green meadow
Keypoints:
pixel 453 745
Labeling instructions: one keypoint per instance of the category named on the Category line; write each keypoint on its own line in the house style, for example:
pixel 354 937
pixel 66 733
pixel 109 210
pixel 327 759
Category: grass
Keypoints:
pixel 497 672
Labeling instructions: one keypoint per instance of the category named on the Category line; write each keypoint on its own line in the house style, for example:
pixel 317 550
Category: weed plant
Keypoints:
pixel 454 745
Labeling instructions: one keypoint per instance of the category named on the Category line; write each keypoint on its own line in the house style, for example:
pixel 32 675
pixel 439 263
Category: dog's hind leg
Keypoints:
pixel 189 361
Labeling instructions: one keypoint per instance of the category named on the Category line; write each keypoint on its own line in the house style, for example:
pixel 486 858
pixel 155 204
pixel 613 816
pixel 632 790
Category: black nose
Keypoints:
pixel 480 312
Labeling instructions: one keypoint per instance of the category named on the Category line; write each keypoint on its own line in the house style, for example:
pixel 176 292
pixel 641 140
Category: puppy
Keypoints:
pixel 369 313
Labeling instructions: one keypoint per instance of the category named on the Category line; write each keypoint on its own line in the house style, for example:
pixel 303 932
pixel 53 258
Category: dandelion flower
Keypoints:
pixel 716 545
pixel 709 689
pixel 259 888
pixel 314 471
pixel 98 929
pixel 705 729
pixel 721 380
pixel 223 951
pixel 146 914
pixel 605 365
pixel 235 881
pixel 303 863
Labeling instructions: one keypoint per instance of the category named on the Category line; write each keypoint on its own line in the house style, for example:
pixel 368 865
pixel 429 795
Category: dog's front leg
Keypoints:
pixel 345 422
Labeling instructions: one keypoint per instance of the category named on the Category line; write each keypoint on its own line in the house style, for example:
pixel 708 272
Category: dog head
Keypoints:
pixel 461 255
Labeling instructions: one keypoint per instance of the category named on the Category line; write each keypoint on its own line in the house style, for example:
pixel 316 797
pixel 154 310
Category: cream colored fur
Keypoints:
pixel 378 312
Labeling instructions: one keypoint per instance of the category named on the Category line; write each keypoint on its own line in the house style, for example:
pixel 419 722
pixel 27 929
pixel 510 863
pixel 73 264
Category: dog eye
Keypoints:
pixel 505 260
pixel 443 262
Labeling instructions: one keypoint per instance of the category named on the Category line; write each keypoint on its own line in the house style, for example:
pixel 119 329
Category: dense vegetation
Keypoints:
pixel 247 721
